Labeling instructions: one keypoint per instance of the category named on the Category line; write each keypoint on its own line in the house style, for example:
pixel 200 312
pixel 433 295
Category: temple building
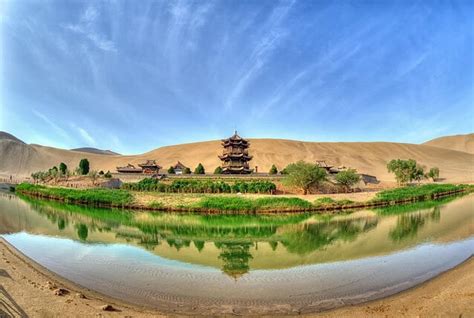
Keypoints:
pixel 235 157
pixel 150 166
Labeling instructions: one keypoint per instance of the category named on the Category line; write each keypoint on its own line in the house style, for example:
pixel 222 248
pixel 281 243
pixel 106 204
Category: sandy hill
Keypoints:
pixel 463 143
pixel 95 150
pixel 367 157
pixel 6 136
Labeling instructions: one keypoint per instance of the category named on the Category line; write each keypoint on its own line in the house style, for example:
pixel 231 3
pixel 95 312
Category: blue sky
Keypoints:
pixel 135 75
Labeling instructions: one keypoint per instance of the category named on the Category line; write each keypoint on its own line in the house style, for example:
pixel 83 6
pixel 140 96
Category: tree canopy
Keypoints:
pixel 348 178
pixel 273 170
pixel 405 170
pixel 84 166
pixel 63 168
pixel 199 169
pixel 218 170
pixel 171 170
pixel 304 175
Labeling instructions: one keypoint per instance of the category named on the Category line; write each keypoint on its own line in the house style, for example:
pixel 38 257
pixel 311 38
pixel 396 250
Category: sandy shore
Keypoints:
pixel 27 289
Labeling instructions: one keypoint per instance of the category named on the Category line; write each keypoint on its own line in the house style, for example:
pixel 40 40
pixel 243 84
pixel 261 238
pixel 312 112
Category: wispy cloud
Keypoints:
pixel 86 136
pixel 87 27
pixel 60 131
pixel 272 35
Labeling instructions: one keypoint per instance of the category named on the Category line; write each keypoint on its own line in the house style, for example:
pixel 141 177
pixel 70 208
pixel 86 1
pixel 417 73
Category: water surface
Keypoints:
pixel 272 264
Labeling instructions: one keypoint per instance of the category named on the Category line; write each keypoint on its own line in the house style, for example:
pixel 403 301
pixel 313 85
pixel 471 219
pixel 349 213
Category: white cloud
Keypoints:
pixel 87 28
pixel 53 125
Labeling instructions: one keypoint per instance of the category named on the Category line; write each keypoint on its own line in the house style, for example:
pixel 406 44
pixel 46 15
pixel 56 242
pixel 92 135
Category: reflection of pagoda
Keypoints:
pixel 236 258
pixel 235 156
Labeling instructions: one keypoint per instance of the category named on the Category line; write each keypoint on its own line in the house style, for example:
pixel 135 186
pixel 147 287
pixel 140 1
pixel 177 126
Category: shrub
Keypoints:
pixel 199 169
pixel 426 191
pixel 348 178
pixel 273 170
pixel 433 173
pixel 84 166
pixel 108 175
pixel 187 171
pixel 63 168
pixel 171 170
pixel 218 170
pixel 304 175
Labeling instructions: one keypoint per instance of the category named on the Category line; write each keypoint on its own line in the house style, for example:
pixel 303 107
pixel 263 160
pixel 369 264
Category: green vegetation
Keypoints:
pixel 249 205
pixel 201 186
pixel 218 170
pixel 108 175
pixel 63 168
pixel 304 175
pixel 348 178
pixel 423 192
pixel 326 201
pixel 199 169
pixel 187 171
pixel 89 196
pixel 84 166
pixel 433 174
pixel 171 170
pixel 273 170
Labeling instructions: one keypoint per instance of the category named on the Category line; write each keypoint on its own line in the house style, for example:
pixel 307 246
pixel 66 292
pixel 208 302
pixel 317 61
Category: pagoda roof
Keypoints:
pixel 179 165
pixel 235 138
pixel 149 163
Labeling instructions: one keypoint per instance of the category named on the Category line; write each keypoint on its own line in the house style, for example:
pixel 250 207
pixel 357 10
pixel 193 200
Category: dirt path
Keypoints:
pixel 26 289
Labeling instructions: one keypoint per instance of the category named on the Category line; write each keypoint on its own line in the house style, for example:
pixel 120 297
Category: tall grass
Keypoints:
pixel 250 205
pixel 423 192
pixel 90 196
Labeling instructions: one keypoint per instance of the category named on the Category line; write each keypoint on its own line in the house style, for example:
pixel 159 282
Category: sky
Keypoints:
pixel 132 76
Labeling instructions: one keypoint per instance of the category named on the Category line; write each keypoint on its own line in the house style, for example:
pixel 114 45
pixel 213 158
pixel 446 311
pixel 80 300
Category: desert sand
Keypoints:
pixel 464 143
pixel 28 289
pixel 20 159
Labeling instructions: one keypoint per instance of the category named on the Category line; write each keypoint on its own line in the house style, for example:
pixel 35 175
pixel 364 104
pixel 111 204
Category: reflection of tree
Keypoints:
pixel 199 245
pixel 409 224
pixel 61 224
pixel 315 236
pixel 235 256
pixel 82 231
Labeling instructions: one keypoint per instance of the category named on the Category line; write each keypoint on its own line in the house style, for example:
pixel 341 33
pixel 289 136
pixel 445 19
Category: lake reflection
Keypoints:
pixel 241 246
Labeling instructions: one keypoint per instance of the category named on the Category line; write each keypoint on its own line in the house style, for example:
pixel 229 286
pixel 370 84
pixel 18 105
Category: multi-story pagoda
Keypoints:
pixel 235 157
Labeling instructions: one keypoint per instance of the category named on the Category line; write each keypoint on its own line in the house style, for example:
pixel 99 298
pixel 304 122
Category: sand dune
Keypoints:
pixel 463 143
pixel 367 157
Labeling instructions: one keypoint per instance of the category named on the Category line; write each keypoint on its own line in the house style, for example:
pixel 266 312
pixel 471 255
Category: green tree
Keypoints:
pixel 218 170
pixel 405 170
pixel 199 169
pixel 84 166
pixel 304 175
pixel 63 168
pixel 348 178
pixel 171 170
pixel 273 170
pixel 433 173
pixel 187 171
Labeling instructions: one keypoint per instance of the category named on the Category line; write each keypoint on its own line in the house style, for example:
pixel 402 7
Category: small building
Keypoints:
pixel 179 168
pixel 129 169
pixel 150 167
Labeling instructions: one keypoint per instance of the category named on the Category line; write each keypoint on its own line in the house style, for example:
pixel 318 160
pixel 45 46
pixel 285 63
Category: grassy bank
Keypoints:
pixel 95 197
pixel 222 203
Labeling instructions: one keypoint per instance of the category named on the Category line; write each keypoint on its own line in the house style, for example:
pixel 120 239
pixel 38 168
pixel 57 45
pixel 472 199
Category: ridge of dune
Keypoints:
pixel 464 143
pixel 367 157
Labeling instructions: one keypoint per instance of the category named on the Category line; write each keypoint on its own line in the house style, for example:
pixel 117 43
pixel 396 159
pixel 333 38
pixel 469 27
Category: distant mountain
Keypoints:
pixel 96 151
pixel 464 143
pixel 6 136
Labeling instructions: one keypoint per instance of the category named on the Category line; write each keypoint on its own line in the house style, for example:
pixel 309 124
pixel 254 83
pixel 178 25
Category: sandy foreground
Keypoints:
pixel 29 290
